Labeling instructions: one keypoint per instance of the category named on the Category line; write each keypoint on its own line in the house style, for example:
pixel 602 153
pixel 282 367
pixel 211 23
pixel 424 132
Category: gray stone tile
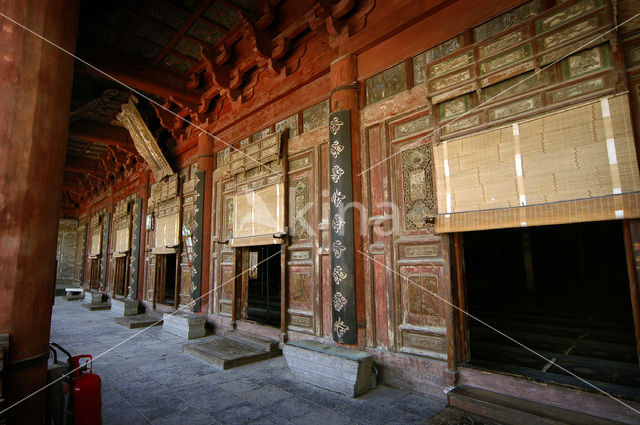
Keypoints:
pixel 196 418
pixel 221 401
pixel 242 385
pixel 291 407
pixel 321 416
pixel 162 407
pixel 265 395
pixel 269 420
pixel 122 413
pixel 148 379
pixel 383 394
pixel 240 414
pixel 418 405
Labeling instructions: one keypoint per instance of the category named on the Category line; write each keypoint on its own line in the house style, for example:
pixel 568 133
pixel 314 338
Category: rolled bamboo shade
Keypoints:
pixel 122 240
pixel 259 212
pixel 576 164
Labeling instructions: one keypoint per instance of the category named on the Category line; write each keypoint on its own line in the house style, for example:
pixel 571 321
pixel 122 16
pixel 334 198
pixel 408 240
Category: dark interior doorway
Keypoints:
pixel 166 279
pixel 119 284
pixel 263 296
pixel 563 291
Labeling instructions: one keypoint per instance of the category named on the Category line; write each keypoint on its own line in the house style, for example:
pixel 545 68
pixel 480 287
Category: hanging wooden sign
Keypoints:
pixel 343 294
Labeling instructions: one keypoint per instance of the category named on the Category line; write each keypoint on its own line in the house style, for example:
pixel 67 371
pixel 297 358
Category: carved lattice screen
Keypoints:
pixel 574 165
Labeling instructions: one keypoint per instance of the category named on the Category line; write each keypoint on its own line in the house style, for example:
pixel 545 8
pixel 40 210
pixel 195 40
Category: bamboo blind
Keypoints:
pixel 122 240
pixel 96 241
pixel 259 212
pixel 167 232
pixel 577 164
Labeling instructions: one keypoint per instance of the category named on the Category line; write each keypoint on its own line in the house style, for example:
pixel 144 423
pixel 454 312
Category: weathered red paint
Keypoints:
pixel 36 93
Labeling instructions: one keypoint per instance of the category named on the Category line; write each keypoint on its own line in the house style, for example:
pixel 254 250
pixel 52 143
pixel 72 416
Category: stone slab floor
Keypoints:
pixel 148 380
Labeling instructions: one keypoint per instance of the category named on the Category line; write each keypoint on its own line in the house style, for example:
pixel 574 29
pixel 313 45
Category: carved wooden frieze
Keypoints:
pixel 432 55
pixel 505 63
pixel 291 124
pixel 517 85
pixel 502 43
pixel 580 89
pixel 506 59
pixel 462 123
pixel 143 140
pixel 419 251
pixel 566 14
pixel 560 37
pixel 586 62
pixel 260 135
pixel 454 108
pixel 451 64
pixel 256 158
pixel 409 127
pixel 507 20
pixel 315 116
pixel 514 108
pixel 386 84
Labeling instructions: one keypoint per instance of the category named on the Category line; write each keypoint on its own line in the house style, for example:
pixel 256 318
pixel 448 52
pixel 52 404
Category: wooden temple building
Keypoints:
pixel 361 173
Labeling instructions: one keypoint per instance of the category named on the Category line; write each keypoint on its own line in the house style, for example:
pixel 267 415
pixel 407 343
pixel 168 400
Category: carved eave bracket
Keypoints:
pixel 143 140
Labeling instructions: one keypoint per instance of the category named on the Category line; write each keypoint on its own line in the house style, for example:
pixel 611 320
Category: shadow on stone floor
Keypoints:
pixel 149 380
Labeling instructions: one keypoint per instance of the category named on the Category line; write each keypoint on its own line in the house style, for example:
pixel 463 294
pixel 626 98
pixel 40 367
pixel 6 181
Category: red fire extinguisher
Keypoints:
pixel 87 391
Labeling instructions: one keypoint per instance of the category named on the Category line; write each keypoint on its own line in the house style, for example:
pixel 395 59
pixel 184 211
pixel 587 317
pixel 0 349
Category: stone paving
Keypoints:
pixel 148 380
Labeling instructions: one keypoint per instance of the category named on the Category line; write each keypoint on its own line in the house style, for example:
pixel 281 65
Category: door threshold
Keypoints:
pixel 258 328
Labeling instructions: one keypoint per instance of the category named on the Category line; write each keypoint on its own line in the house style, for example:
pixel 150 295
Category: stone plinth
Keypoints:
pixel 91 297
pixel 334 368
pixel 185 325
pixel 124 306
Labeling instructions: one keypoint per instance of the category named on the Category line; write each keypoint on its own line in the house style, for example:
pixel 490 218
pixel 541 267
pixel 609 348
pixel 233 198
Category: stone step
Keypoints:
pixel 510 410
pixel 97 306
pixel 225 353
pixel 340 369
pixel 73 297
pixel 185 325
pixel 140 320
pixel 256 341
pixel 124 306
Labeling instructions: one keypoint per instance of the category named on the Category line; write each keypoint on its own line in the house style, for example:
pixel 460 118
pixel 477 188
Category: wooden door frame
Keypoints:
pixel 631 234
pixel 240 293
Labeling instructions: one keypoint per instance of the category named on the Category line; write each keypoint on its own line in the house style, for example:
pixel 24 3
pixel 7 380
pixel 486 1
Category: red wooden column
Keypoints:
pixel 35 97
pixel 344 95
pixel 206 164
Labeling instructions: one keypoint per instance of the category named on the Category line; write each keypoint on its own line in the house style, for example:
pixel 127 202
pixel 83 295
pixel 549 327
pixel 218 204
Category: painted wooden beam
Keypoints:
pixel 104 134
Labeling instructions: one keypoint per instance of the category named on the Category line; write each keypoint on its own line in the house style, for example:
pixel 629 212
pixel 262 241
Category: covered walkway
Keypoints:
pixel 149 380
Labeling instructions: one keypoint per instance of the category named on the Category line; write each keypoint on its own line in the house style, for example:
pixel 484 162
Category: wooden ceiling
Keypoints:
pixel 166 33
pixel 194 57
pixel 165 36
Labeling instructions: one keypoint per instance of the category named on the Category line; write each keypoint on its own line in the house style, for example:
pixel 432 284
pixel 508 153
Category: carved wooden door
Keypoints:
pixel 406 272
pixel 94 279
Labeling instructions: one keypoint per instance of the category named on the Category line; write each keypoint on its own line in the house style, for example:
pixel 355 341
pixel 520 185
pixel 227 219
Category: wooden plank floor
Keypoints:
pixel 598 346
